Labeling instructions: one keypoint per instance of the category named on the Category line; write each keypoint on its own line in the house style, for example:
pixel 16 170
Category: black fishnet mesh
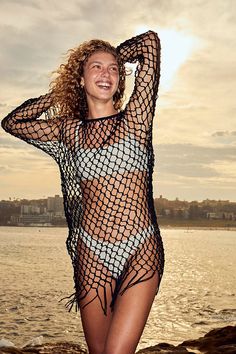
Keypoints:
pixel 106 167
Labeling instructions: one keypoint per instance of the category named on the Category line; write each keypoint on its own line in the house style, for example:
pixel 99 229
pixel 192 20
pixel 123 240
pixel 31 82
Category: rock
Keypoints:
pixel 34 341
pixel 47 348
pixel 217 341
pixel 164 348
pixel 6 343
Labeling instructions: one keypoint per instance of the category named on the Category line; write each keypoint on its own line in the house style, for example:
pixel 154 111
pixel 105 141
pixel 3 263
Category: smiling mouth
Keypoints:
pixel 104 85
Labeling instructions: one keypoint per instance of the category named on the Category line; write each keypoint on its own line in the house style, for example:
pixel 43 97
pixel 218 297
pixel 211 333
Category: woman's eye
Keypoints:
pixel 114 68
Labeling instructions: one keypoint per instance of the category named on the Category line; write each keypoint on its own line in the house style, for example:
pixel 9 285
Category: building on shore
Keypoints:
pixel 49 212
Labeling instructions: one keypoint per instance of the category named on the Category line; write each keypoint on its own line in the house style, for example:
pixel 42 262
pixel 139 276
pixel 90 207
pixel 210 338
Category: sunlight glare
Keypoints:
pixel 176 48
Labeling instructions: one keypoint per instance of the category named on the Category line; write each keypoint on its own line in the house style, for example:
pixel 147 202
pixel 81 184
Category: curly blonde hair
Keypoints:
pixel 68 95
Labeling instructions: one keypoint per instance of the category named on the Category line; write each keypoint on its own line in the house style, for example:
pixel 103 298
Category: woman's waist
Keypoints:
pixel 115 211
pixel 115 225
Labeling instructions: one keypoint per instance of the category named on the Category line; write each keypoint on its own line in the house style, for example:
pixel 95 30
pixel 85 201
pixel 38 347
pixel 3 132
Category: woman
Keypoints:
pixel 106 159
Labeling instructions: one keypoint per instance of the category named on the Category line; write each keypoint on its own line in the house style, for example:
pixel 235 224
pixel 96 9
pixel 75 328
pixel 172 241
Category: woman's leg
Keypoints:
pixel 91 278
pixel 95 323
pixel 131 312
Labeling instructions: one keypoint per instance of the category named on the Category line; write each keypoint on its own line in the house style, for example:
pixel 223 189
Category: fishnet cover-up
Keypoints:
pixel 106 166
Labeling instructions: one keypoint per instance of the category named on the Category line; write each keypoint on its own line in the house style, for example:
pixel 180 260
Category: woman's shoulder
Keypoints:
pixel 68 122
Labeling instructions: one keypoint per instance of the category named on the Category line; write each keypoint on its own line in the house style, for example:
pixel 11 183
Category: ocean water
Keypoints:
pixel 197 292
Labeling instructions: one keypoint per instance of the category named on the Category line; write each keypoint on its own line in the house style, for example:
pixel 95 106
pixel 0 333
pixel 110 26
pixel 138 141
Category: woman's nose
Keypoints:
pixel 105 71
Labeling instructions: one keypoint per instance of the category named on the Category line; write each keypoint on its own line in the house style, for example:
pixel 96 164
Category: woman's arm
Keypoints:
pixel 145 49
pixel 22 122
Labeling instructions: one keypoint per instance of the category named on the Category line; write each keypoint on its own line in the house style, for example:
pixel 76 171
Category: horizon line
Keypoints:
pixel 159 197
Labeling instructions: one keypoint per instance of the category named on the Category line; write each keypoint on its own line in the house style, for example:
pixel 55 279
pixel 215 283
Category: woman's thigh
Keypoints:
pixel 96 285
pixel 135 299
pixel 95 323
pixel 130 315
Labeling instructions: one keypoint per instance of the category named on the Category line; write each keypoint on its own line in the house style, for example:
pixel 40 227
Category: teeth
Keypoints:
pixel 104 84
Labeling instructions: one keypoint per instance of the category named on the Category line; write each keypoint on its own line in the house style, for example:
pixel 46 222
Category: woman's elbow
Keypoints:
pixel 6 124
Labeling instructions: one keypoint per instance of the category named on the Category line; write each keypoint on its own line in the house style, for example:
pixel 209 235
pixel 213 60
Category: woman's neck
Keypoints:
pixel 101 110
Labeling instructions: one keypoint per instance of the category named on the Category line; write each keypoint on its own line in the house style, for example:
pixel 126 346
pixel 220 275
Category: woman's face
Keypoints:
pixel 100 77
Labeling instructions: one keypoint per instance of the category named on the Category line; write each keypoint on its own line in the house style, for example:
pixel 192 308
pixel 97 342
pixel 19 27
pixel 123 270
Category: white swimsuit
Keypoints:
pixel 126 155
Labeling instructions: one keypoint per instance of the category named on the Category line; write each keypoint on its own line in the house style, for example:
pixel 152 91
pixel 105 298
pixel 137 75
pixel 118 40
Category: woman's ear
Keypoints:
pixel 82 82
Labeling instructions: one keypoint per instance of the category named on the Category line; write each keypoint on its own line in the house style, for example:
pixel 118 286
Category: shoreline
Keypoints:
pixel 164 226
pixel 200 224
pixel 189 228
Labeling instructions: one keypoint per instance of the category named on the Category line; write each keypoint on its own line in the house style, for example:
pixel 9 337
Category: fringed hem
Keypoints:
pixel 71 303
pixel 74 298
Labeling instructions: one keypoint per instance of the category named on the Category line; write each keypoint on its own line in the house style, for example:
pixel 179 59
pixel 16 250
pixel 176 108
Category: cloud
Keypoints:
pixel 19 157
pixel 224 137
pixel 195 172
pixel 193 161
pixel 224 133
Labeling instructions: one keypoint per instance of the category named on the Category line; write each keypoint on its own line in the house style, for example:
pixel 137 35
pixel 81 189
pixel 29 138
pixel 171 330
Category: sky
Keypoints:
pixel 194 129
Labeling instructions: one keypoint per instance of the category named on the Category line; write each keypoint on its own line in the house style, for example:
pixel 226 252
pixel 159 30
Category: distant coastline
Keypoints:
pixel 201 224
pixel 197 224
pixel 49 212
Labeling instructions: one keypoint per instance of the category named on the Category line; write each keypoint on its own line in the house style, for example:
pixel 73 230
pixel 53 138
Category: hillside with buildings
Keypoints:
pixel 212 213
pixel 39 212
